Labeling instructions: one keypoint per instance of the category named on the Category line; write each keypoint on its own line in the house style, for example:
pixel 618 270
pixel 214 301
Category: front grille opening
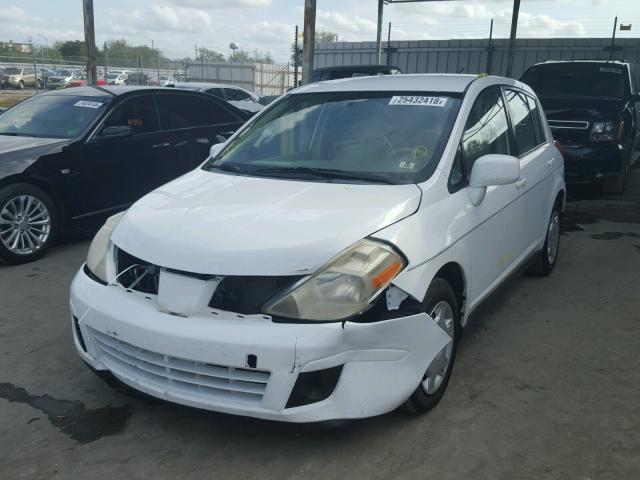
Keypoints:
pixel 138 275
pixel 246 295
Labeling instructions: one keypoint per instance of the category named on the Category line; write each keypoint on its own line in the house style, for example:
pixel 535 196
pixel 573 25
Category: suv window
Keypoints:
pixel 138 113
pixel 486 131
pixel 216 92
pixel 235 94
pixel 28 71
pixel 522 121
pixel 541 136
pixel 185 111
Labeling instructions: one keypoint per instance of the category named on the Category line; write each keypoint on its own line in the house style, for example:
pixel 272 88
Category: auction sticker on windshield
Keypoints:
pixel 418 100
pixel 87 104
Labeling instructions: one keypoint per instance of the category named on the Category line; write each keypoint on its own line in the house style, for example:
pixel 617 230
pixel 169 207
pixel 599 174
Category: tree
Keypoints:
pixel 209 56
pixel 325 36
pixel 71 50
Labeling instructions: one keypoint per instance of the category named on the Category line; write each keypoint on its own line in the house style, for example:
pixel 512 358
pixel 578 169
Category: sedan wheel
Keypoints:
pixel 27 223
pixel 442 315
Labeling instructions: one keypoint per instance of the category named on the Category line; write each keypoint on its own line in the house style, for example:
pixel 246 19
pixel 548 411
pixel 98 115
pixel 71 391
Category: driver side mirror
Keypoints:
pixel 489 170
pixel 116 131
pixel 215 149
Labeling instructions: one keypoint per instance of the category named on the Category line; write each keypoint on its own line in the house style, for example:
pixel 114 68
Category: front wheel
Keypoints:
pixel 441 305
pixel 548 256
pixel 20 85
pixel 618 184
pixel 28 222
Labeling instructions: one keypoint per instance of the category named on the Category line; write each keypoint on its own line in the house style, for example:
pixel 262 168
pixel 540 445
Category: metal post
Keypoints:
pixel 379 33
pixel 295 59
pixel 44 80
pixel 512 37
pixel 35 70
pixel 90 41
pixel 490 49
pixel 308 43
pixel 389 45
pixel 104 49
pixel 613 37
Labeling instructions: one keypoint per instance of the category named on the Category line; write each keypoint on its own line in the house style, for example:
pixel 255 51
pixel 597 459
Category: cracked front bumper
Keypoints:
pixel 174 358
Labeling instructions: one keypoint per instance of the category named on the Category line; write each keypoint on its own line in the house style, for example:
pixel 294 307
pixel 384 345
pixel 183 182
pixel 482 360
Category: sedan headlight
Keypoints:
pixel 607 131
pixel 343 287
pixel 99 248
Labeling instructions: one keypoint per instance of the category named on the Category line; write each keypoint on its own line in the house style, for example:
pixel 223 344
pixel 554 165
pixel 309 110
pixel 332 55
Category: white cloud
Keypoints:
pixel 222 4
pixel 12 14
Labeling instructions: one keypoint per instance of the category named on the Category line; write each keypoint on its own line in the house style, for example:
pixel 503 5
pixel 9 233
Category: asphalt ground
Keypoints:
pixel 546 386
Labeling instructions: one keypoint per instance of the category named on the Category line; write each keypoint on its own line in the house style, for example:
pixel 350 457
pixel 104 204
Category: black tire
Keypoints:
pixel 543 264
pixel 420 401
pixel 10 192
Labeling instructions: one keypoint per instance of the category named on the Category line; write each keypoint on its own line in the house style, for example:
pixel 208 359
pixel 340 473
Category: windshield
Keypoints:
pixel 52 116
pixel 577 79
pixel 360 136
pixel 13 71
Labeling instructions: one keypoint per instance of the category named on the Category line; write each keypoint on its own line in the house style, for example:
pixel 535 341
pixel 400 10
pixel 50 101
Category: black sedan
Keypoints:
pixel 75 156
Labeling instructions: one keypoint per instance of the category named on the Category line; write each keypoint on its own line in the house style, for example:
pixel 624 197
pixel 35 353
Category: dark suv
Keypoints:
pixel 593 108
pixel 77 155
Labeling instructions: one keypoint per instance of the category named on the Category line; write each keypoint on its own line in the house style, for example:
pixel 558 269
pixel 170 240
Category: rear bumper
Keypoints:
pixel 591 162
pixel 183 359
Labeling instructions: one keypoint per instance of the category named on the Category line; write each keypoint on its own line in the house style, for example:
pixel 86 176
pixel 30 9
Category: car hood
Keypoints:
pixel 224 224
pixel 581 108
pixel 17 153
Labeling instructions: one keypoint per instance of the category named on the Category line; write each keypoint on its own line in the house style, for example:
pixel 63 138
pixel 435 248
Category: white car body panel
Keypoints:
pixel 210 224
pixel 222 224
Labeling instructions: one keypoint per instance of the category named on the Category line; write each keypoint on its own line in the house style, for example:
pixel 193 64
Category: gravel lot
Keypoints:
pixel 546 386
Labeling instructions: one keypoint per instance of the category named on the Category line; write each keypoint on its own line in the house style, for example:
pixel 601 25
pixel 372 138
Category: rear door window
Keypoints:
pixel 522 121
pixel 187 111
pixel 216 92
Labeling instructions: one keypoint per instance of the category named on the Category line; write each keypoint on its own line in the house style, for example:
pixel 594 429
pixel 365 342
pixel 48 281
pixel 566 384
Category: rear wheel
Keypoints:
pixel 441 305
pixel 28 223
pixel 548 256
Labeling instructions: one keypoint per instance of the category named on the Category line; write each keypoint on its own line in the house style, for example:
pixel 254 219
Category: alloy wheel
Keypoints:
pixel 25 225
pixel 442 314
pixel 553 237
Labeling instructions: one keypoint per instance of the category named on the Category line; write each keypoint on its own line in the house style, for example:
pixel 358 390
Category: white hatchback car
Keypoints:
pixel 322 263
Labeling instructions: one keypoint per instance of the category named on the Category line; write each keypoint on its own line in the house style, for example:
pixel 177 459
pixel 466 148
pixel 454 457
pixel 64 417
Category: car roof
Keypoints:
pixel 556 62
pixel 100 91
pixel 360 68
pixel 204 85
pixel 410 83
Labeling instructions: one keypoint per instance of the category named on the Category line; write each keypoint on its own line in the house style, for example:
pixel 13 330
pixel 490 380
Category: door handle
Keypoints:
pixel 203 141
pixel 184 143
pixel 521 183
pixel 161 145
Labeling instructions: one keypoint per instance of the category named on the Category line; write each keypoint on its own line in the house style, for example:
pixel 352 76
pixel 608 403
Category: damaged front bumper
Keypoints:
pixel 247 364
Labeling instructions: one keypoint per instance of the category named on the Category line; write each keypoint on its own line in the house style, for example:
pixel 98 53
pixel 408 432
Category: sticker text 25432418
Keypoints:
pixel 418 100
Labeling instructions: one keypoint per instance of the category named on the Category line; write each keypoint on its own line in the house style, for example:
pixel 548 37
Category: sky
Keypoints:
pixel 176 26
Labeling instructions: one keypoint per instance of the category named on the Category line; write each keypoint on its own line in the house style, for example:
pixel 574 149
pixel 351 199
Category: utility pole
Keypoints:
pixel 512 37
pixel 490 49
pixel 90 41
pixel 308 43
pixel 389 45
pixel 379 33
pixel 104 49
pixel 295 59
pixel 157 52
pixel 613 38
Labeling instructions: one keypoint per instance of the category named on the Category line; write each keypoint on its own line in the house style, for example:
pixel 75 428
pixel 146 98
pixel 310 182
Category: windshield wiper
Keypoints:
pixel 227 167
pixel 326 173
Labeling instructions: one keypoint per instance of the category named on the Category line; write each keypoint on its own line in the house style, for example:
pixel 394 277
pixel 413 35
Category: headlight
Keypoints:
pixel 343 287
pixel 605 131
pixel 97 256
